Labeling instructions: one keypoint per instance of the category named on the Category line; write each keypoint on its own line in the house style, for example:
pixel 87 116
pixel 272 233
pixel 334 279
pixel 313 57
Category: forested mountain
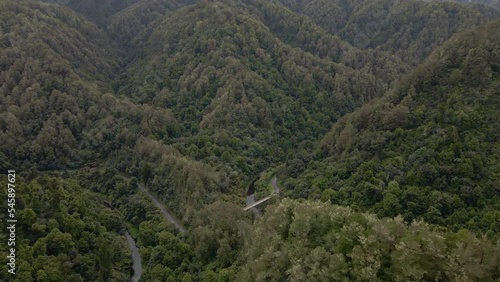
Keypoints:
pixel 98 11
pixel 233 77
pixel 56 73
pixel 409 29
pixel 196 100
pixel 429 149
pixel 239 91
pixel 134 24
pixel 492 3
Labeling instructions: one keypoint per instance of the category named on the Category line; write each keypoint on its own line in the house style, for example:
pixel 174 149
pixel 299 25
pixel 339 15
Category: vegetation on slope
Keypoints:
pixel 57 106
pixel 314 241
pixel 97 11
pixel 212 94
pixel 408 29
pixel 245 99
pixel 134 24
pixel 428 150
pixel 65 233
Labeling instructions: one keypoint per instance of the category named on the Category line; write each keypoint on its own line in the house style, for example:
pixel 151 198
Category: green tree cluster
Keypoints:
pixel 195 100
pixel 315 241
pixel 64 232
pixel 427 150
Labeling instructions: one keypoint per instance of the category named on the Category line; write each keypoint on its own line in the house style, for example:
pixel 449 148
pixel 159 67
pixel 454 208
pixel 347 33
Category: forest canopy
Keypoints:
pixel 378 120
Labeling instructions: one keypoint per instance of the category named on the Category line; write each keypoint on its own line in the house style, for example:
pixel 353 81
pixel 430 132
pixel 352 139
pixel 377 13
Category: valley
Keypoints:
pixel 375 121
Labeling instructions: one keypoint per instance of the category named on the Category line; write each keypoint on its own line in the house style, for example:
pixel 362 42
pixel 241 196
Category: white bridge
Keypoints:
pixel 252 196
pixel 257 203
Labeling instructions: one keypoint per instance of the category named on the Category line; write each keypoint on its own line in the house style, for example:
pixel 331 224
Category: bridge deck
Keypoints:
pixel 257 203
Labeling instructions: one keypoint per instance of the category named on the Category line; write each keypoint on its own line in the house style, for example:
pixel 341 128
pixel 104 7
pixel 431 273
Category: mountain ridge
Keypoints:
pixel 198 100
pixel 443 144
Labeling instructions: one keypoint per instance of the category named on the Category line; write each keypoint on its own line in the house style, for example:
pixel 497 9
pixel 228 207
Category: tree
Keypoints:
pixel 104 257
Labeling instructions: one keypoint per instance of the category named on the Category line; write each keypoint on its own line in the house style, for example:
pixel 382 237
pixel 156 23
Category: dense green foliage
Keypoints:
pixel 231 77
pixel 132 25
pixel 57 109
pixel 65 233
pixel 429 149
pixel 492 3
pixel 98 11
pixel 314 241
pixel 195 100
pixel 165 254
pixel 408 29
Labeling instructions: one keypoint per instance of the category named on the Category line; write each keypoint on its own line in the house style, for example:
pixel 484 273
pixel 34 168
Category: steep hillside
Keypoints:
pixel 97 11
pixel 409 29
pixel 427 150
pixel 492 3
pixel 58 113
pixel 191 102
pixel 30 26
pixel 245 98
pixel 132 25
pixel 300 31
pixel 56 70
pixel 58 110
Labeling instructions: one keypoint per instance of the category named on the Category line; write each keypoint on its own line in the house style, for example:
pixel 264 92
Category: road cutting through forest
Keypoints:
pixel 136 258
pixel 165 212
pixel 252 204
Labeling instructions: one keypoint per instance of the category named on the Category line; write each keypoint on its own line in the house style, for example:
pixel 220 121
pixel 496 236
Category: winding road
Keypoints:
pixel 136 258
pixel 275 185
pixel 251 203
pixel 166 213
